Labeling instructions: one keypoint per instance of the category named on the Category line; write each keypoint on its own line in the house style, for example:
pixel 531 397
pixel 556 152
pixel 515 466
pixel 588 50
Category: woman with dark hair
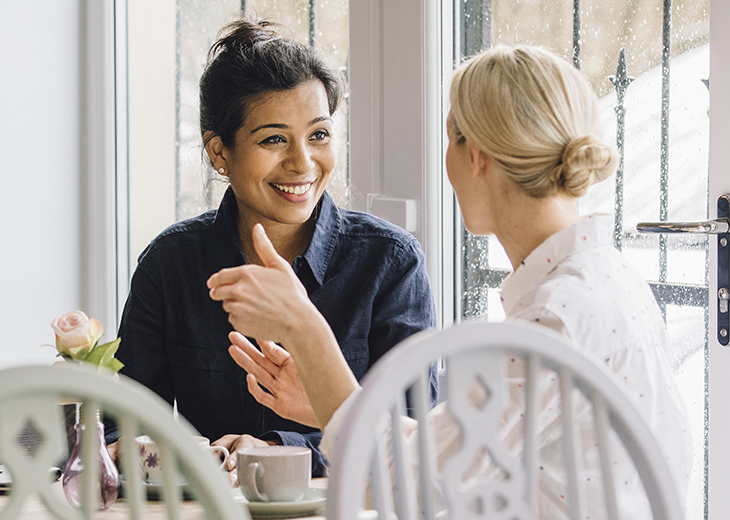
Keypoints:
pixel 266 106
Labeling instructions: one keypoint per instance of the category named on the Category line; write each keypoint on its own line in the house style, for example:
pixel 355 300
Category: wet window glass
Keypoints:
pixel 648 61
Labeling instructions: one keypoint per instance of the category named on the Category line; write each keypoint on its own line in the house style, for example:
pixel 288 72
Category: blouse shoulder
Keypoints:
pixel 357 224
pixel 180 235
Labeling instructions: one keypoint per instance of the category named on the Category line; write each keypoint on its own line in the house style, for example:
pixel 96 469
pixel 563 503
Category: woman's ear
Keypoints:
pixel 480 162
pixel 216 152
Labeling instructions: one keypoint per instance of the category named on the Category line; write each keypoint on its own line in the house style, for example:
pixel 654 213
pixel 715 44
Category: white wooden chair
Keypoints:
pixel 372 466
pixel 29 398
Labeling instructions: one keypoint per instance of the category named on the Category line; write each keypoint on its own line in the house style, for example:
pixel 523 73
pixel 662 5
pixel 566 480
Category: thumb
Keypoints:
pixel 265 249
pixel 274 352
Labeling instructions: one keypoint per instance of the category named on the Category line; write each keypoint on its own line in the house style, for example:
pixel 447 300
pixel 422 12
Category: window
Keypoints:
pixel 168 41
pixel 649 64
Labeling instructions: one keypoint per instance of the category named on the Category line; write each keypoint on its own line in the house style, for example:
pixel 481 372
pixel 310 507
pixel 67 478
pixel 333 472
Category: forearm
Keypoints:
pixel 325 375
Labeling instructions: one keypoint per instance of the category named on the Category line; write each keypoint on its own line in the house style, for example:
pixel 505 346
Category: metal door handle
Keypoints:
pixel 707 227
pixel 721 227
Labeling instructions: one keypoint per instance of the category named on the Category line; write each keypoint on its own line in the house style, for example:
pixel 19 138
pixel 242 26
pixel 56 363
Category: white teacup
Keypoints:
pixel 150 460
pixel 274 473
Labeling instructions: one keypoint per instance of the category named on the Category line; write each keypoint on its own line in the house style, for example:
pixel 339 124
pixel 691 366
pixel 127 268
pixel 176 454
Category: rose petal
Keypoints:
pixel 73 332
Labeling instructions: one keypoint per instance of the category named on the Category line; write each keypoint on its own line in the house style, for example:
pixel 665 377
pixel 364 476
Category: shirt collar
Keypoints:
pixel 326 233
pixel 317 255
pixel 226 228
pixel 591 232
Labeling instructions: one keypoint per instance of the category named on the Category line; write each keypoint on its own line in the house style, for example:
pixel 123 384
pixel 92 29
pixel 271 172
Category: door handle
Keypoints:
pixel 707 227
pixel 720 227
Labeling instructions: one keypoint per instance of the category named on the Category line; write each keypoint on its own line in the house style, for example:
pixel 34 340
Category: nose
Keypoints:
pixel 299 158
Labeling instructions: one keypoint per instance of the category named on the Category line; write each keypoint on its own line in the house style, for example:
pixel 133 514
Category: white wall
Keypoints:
pixel 39 174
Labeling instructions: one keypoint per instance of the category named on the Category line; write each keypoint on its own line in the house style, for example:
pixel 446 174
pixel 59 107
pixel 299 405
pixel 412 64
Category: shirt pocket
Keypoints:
pixel 357 355
pixel 197 359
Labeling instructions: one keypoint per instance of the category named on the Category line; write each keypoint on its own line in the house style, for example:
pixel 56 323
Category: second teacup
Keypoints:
pixel 150 460
pixel 274 473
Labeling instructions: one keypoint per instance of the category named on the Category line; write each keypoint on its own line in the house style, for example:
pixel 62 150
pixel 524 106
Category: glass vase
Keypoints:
pixel 108 484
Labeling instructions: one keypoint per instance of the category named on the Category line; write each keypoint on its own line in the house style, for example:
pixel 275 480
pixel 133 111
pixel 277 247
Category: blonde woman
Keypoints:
pixel 524 145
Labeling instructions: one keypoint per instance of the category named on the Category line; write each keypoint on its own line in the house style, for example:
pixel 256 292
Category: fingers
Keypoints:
pixel 224 277
pixel 262 361
pixel 248 441
pixel 114 450
pixel 233 443
pixel 239 340
pixel 274 352
pixel 227 441
pixel 233 478
pixel 258 393
pixel 265 249
pixel 253 367
pixel 225 284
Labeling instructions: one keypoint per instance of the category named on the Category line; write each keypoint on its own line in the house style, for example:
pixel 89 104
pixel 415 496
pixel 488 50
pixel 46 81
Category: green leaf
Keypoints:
pixel 103 356
pixel 113 364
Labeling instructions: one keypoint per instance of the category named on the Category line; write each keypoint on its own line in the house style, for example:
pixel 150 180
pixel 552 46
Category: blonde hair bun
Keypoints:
pixel 585 160
pixel 535 116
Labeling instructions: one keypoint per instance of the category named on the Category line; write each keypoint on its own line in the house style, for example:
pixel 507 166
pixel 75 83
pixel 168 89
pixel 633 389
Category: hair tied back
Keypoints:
pixel 585 160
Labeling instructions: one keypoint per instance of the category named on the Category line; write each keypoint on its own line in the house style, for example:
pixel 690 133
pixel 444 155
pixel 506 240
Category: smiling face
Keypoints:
pixel 283 156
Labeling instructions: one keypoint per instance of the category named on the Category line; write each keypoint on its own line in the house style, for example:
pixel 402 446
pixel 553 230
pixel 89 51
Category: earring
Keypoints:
pixel 221 170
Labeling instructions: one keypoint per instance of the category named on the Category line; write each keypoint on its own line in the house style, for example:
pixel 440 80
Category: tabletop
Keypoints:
pixel 34 509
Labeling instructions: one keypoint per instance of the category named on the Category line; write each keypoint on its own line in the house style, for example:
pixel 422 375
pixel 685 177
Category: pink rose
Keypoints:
pixel 76 334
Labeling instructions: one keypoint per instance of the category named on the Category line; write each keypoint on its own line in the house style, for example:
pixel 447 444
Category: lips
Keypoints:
pixel 293 189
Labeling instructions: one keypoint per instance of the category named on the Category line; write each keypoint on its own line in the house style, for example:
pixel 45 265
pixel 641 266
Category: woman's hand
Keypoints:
pixel 114 450
pixel 264 302
pixel 269 303
pixel 274 369
pixel 233 443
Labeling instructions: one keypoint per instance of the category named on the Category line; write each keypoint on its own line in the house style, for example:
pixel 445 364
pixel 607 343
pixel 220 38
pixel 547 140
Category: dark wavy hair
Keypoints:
pixel 248 60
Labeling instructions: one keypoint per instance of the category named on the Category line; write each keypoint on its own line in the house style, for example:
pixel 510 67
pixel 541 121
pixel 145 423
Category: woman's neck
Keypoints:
pixel 289 240
pixel 531 221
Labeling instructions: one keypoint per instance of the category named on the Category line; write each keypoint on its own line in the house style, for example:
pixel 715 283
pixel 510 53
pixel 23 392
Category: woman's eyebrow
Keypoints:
pixel 270 125
pixel 319 119
pixel 282 126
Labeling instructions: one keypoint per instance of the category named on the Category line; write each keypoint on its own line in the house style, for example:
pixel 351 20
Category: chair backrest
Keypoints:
pixel 373 462
pixel 29 398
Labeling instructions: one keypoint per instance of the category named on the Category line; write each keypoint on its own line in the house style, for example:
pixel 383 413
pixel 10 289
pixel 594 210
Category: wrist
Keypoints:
pixel 305 324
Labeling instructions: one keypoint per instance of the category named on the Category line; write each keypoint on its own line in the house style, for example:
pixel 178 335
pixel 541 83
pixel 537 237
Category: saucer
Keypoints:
pixel 312 502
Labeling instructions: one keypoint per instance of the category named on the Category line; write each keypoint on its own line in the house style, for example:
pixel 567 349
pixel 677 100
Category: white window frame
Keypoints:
pixel 103 163
pixel 399 52
pixel 719 356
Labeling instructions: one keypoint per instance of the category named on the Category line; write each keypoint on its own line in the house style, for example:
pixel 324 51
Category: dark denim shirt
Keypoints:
pixel 366 276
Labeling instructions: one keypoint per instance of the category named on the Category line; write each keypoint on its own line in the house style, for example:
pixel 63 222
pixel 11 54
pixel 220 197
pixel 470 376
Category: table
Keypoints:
pixel 34 509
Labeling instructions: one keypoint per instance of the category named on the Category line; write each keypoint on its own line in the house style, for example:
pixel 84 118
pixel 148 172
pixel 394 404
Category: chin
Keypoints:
pixel 293 219
pixel 478 230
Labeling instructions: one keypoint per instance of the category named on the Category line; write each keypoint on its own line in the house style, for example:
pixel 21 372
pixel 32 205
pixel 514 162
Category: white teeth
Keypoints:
pixel 300 189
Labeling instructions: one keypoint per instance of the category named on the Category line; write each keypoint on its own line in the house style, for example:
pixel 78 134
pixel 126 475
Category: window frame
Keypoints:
pixel 400 53
pixel 103 160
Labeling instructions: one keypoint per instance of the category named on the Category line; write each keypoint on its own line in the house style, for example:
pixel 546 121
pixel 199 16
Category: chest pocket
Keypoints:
pixel 197 359
pixel 357 355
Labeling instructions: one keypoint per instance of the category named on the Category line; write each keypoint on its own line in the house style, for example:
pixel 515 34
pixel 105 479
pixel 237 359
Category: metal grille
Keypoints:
pixel 473 19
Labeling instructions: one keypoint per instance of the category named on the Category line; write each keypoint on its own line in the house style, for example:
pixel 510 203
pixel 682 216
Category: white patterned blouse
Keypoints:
pixel 579 285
